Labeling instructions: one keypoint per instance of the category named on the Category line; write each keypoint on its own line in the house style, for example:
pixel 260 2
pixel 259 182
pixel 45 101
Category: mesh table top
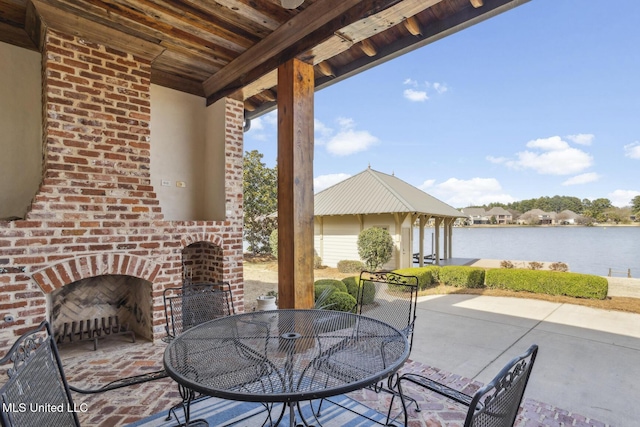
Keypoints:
pixel 285 355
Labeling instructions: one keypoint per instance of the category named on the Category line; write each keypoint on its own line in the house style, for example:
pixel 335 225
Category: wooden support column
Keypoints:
pixel 295 185
pixel 437 240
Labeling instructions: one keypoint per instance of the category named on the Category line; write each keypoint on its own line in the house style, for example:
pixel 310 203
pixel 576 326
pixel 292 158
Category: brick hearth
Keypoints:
pixel 96 212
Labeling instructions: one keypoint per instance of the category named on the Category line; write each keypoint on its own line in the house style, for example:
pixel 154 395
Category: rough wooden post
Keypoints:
pixel 295 185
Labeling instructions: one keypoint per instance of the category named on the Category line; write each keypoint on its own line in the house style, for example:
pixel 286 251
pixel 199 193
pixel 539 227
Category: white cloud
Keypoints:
pixel 415 95
pixel 622 198
pixel 632 150
pixel 325 181
pixel 440 87
pixel 581 138
pixel 549 156
pixel 419 92
pixel 427 184
pixel 347 140
pixel 322 132
pixel 582 179
pixel 554 143
pixel 350 141
pixel 496 160
pixel 257 124
pixel 476 191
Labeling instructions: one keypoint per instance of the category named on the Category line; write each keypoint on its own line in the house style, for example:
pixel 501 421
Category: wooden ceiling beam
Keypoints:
pixel 413 26
pixel 16 36
pixel 326 69
pixel 368 47
pixel 308 28
pixel 476 3
pixel 173 81
pixel 71 24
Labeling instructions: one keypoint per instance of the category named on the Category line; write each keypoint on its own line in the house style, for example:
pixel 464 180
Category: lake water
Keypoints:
pixel 591 250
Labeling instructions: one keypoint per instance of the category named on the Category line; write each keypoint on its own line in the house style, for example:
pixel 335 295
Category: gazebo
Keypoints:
pixel 373 198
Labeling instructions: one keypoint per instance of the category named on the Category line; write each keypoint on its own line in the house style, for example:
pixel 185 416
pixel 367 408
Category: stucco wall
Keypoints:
pixel 337 238
pixel 20 129
pixel 187 149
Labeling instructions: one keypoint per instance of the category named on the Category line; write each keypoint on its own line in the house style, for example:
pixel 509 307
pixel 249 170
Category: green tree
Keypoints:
pixel 635 205
pixel 260 188
pixel 375 247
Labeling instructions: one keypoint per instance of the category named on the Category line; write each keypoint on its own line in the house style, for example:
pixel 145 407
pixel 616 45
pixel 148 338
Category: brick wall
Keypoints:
pixel 96 211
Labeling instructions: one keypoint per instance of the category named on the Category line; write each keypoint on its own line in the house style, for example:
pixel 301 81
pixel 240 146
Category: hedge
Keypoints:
pixel 427 276
pixel 462 276
pixel 350 266
pixel 548 282
pixel 351 283
pixel 338 284
pixel 341 301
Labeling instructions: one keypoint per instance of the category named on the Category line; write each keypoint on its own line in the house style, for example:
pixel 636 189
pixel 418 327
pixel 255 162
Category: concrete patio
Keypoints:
pixel 587 362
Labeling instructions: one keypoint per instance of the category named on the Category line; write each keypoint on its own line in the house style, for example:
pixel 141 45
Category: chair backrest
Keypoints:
pixel 195 303
pixel 37 393
pixel 497 403
pixel 389 297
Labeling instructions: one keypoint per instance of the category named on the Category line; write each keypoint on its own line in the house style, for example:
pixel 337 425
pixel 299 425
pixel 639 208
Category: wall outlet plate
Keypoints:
pixel 165 183
pixel 181 184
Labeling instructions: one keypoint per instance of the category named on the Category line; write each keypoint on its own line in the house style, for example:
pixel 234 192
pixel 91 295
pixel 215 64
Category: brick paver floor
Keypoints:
pixel 117 357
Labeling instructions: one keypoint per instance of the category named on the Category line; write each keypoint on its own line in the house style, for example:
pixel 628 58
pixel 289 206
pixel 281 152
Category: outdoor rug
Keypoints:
pixel 220 412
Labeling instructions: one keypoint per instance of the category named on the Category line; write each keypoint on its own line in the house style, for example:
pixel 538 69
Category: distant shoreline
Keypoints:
pixel 543 225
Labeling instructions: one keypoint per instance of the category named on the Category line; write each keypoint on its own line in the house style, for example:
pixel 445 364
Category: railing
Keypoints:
pixel 619 272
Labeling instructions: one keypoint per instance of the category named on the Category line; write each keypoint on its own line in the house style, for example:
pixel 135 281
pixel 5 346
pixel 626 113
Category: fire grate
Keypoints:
pixel 94 329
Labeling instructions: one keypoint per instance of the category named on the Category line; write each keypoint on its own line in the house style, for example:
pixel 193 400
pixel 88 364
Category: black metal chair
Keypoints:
pixel 496 404
pixel 391 298
pixel 37 393
pixel 382 295
pixel 195 303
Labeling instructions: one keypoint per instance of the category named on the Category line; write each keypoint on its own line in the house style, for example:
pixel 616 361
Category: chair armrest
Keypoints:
pixel 437 387
pixel 123 382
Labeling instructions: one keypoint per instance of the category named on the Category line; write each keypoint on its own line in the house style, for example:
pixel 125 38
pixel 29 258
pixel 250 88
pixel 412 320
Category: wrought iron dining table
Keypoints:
pixel 288 355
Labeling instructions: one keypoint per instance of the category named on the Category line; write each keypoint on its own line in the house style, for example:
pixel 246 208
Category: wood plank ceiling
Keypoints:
pixel 217 48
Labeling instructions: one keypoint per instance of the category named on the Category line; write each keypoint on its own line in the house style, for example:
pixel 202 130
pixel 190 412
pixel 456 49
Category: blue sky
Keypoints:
pixel 542 100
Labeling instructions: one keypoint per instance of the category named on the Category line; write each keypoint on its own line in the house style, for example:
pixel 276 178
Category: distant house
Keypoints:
pixel 375 199
pixel 567 217
pixel 482 216
pixel 501 215
pixel 476 215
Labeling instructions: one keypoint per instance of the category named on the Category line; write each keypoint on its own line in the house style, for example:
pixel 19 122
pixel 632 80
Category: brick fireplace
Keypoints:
pixel 96 213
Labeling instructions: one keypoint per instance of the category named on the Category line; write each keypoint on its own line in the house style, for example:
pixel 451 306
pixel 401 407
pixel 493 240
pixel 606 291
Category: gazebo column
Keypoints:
pixel 449 223
pixel 295 185
pixel 437 240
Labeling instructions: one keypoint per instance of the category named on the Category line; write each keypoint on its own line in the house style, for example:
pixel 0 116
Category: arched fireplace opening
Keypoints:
pixel 202 262
pixel 102 306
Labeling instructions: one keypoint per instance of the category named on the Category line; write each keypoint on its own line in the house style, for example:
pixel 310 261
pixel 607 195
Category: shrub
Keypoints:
pixel 368 292
pixel 506 264
pixel 350 266
pixel 317 262
pixel 273 243
pixel 548 282
pixel 535 265
pixel 341 301
pixel 338 284
pixel 352 285
pixel 462 276
pixel 375 247
pixel 559 266
pixel 425 275
pixel 319 289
